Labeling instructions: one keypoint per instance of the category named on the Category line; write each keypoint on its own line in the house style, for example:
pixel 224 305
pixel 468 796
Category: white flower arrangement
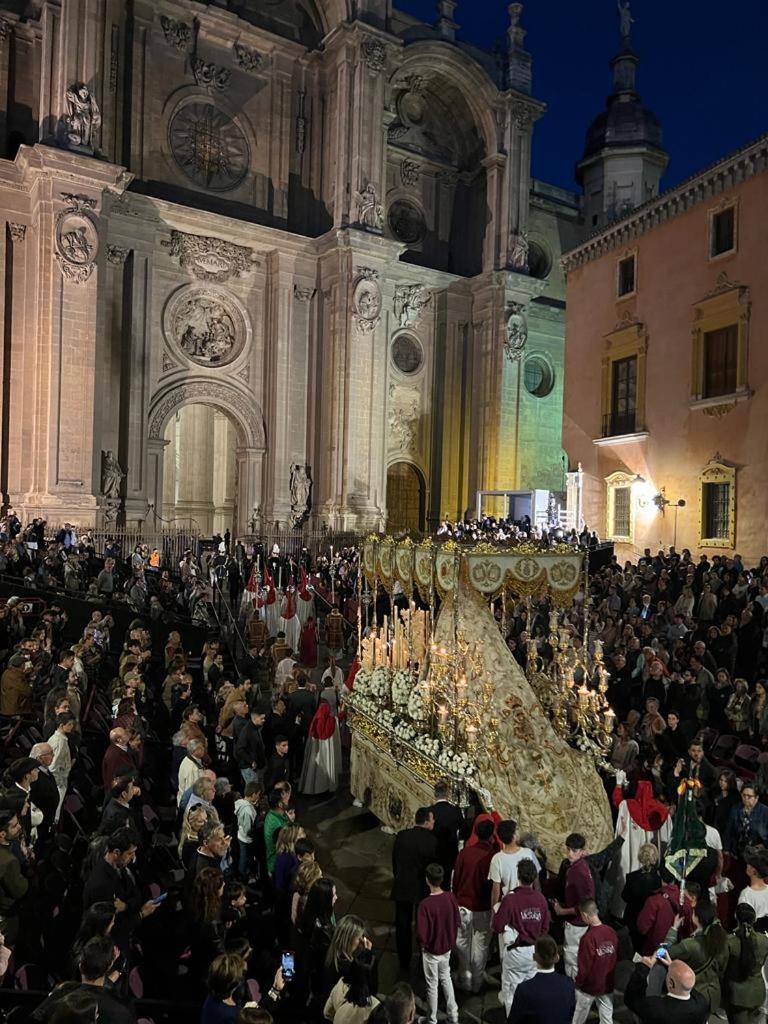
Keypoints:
pixel 588 746
pixel 428 745
pixel 405 731
pixel 401 688
pixel 417 709
pixel 363 682
pixel 380 682
pixel 457 763
pixel 386 718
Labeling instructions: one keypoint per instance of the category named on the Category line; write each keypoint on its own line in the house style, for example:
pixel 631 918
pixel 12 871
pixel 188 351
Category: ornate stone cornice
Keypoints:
pixel 210 259
pixel 732 170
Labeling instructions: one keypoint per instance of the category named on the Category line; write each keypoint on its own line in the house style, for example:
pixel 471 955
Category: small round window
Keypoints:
pixel 538 377
pixel 539 261
pixel 407 353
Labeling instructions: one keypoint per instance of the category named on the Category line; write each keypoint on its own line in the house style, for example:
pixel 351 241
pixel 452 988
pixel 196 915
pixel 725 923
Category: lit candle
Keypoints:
pixel 442 714
pixel 471 734
pixel 609 716
pixel 583 695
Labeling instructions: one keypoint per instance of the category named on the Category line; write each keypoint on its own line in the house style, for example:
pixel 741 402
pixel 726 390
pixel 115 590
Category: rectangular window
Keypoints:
pixel 720 361
pixel 716 503
pixel 723 231
pixel 626 281
pixel 621 419
pixel 622 507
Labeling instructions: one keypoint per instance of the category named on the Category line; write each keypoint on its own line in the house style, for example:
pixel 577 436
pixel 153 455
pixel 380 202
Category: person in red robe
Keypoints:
pixel 308 644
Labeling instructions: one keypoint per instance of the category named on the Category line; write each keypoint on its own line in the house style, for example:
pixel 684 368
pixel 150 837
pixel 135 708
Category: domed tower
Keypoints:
pixel 624 158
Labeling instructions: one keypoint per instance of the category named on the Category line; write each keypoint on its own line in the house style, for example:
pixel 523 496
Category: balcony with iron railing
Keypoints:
pixel 615 425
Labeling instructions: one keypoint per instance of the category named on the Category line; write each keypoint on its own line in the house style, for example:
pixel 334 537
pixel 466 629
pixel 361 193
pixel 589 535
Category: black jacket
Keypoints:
pixel 546 998
pixel 661 1009
pixel 449 823
pixel 413 849
pixel 45 796
pixel 249 748
pixel 111 1010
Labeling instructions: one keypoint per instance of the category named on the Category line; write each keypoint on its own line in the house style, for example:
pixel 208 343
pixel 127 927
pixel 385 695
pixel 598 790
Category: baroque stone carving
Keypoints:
pixel 76 237
pixel 18 231
pixel 177 33
pixel 210 259
pixel 366 301
pixel 403 421
pixel 409 172
pixel 410 302
pixel 301 487
pixel 370 214
pixel 247 59
pixel 207 324
pixel 302 294
pixel 518 259
pixel 112 477
pixel 516 331
pixel 117 255
pixel 374 54
pixel 5 29
pixel 301 124
pixel 168 363
pixel 209 392
pixel 82 119
pixel 209 147
pixel 210 75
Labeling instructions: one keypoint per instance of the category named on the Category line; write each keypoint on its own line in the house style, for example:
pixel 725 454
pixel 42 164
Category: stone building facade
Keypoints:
pixel 666 401
pixel 272 261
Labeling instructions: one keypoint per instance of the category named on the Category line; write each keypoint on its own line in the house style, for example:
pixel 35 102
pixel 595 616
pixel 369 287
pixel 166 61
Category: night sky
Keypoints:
pixel 702 71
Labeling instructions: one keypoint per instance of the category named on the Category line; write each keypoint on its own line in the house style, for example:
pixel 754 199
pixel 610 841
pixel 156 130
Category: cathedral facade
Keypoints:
pixel 273 261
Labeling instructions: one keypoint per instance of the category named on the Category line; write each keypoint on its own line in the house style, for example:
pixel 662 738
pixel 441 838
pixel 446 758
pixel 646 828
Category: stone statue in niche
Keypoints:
pixel 519 256
pixel 83 117
pixel 301 486
pixel 112 477
pixel 517 331
pixel 370 214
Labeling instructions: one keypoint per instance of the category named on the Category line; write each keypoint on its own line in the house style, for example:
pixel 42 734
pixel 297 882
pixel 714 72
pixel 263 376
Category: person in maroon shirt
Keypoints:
pixel 658 916
pixel 596 964
pixel 523 916
pixel 437 925
pixel 472 890
pixel 579 886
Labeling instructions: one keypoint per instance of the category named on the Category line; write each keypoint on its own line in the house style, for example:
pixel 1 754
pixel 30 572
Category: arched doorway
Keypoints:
pixel 406 498
pixel 200 470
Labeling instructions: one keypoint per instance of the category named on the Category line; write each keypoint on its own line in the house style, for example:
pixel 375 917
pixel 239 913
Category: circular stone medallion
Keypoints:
pixel 208 146
pixel 406 221
pixel 407 353
pixel 207 324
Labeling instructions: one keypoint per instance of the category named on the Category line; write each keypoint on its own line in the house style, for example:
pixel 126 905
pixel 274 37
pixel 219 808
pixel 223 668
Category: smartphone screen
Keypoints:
pixel 287 964
pixel 159 899
pixel 661 952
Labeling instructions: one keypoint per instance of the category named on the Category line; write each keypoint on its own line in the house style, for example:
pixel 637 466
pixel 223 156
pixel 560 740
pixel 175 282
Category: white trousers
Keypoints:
pixel 571 947
pixel 584 1005
pixel 437 973
pixel 473 944
pixel 517 966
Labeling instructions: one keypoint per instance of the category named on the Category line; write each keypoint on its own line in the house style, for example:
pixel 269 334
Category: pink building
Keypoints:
pixel 666 394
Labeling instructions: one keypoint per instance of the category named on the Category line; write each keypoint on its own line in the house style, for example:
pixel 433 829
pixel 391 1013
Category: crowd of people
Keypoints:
pixel 152 845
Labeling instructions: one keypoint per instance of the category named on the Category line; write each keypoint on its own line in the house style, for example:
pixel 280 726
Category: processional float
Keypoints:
pixel 439 695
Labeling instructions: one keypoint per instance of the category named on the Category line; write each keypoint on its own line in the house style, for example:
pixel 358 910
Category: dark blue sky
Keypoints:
pixel 702 71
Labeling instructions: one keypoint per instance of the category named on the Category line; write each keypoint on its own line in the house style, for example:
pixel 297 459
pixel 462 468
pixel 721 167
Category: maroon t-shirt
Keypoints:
pixel 525 910
pixel 579 885
pixel 437 923
pixel 470 876
pixel 598 953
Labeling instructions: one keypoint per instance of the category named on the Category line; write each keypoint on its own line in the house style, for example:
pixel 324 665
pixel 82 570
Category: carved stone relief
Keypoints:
pixel 18 231
pixel 247 58
pixel 209 75
pixel 176 33
pixel 516 331
pixel 117 254
pixel 82 120
pixel 402 419
pixel 210 259
pixel 366 300
pixel 211 392
pixel 374 55
pixel 208 325
pixel 409 172
pixel 410 302
pixel 77 238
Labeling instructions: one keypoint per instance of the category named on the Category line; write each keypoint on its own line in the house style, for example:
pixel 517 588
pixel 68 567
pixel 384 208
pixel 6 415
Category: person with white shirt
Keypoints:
pixel 503 870
pixel 191 768
pixel 61 765
pixel 756 893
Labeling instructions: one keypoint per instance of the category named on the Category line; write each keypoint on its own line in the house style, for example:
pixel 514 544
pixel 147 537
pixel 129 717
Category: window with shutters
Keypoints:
pixel 717 504
pixel 622 504
pixel 721 353
pixel 623 397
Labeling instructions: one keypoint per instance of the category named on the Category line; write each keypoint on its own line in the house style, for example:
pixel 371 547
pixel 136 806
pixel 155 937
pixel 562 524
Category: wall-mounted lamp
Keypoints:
pixel 662 502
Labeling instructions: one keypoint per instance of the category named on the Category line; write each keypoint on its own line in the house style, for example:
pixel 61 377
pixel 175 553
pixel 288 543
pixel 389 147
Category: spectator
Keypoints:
pixel 657 996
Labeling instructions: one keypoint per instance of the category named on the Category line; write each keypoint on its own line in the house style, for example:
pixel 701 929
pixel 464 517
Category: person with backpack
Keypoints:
pixel 744 988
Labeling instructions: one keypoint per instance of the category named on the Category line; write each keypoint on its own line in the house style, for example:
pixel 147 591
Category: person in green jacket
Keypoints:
pixel 744 989
pixel 706 952
pixel 277 816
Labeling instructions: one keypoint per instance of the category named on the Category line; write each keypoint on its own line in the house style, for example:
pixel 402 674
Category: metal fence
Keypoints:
pixel 171 543
pixel 317 542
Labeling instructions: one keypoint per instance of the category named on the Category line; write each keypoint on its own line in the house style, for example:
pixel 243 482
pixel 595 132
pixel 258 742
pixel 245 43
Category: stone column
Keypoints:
pixel 250 469
pixel 134 380
pixel 194 481
pixel 157 475
pixel 224 472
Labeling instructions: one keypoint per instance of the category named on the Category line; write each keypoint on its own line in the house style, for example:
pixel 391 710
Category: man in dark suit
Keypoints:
pixel 679 1004
pixel 414 848
pixel 44 793
pixel 548 997
pixel 449 822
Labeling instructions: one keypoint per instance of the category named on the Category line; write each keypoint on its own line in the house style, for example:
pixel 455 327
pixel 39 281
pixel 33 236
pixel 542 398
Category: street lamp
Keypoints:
pixel 662 502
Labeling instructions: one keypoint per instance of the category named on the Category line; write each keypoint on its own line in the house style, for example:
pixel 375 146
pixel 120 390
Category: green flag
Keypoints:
pixel 687 845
